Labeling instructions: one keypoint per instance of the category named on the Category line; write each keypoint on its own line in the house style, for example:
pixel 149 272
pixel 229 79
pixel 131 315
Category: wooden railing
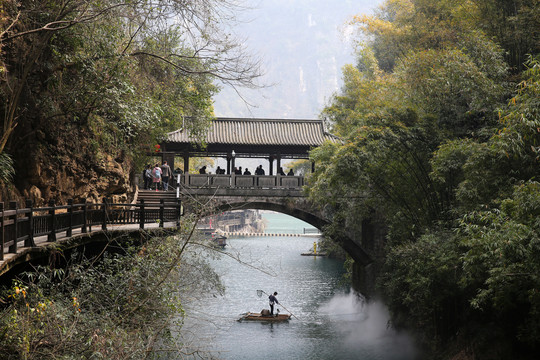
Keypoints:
pixel 18 225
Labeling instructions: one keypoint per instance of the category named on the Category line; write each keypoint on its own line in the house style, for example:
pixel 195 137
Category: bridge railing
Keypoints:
pixel 20 226
pixel 234 181
pixel 242 181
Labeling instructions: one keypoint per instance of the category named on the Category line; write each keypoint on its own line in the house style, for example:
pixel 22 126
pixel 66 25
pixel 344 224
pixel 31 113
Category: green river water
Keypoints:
pixel 330 322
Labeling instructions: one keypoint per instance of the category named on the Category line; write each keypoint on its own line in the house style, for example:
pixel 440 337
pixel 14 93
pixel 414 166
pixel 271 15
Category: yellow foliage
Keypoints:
pixel 374 25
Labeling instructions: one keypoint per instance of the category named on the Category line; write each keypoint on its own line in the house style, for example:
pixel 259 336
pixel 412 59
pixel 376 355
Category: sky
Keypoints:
pixel 302 45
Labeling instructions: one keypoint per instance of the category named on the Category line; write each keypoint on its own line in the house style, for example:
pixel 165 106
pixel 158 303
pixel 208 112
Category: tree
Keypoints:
pixel 299 167
pixel 87 86
pixel 515 24
pixel 125 67
pixel 501 262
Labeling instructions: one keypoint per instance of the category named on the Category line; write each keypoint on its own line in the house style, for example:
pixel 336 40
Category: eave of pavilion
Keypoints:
pixel 241 151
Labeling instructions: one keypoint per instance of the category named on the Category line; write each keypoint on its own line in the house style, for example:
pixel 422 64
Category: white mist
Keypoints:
pixel 363 325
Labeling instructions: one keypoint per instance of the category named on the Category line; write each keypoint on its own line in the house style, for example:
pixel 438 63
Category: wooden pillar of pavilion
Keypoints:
pixel 169 158
pixel 186 162
pixel 271 169
pixel 229 167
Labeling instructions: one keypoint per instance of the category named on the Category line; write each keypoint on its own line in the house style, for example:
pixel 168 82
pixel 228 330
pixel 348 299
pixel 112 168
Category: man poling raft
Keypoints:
pixel 268 315
pixel 271 301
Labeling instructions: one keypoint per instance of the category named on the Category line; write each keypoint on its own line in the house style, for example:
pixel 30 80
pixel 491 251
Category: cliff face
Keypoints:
pixel 303 45
pixel 69 164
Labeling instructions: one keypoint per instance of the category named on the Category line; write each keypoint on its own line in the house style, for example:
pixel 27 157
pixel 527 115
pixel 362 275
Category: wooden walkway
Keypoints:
pixel 24 231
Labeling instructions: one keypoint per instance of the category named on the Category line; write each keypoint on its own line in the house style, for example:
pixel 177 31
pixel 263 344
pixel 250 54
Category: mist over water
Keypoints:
pixel 364 325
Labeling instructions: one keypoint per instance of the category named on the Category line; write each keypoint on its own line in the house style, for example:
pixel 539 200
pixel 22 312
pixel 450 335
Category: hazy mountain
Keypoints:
pixel 303 47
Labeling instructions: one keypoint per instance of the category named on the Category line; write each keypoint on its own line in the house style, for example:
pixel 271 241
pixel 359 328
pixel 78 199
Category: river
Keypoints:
pixel 330 322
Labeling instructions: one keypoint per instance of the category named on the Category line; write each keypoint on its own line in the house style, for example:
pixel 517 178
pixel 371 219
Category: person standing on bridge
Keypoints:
pixel 259 170
pixel 290 173
pixel 156 176
pixel 166 173
pixel 147 176
pixel 271 301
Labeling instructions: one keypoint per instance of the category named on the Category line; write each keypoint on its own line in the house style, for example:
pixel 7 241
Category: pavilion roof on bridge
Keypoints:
pixel 253 136
pixel 246 131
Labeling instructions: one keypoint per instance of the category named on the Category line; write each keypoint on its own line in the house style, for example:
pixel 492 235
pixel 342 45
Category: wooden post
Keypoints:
pixel 161 212
pixel 3 219
pixel 69 231
pixel 271 162
pixel 142 215
pixel 279 182
pixel 85 217
pixel 179 212
pixel 13 206
pixel 104 209
pixel 29 242
pixel 186 162
pixel 51 237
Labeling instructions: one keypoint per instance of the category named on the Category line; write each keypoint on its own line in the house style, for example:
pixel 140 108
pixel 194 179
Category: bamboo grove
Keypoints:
pixel 440 117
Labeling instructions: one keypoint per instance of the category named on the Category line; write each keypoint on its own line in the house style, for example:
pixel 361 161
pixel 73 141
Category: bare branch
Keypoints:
pixel 64 24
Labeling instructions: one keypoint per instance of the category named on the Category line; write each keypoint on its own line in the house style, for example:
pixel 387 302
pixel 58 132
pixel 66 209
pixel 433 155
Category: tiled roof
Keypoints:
pixel 242 131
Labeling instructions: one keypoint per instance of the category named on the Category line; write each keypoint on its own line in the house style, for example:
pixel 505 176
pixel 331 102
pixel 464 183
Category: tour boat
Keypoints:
pixel 219 240
pixel 258 317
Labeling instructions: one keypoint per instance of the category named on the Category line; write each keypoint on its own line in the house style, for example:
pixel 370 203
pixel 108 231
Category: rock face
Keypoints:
pixel 304 45
pixel 70 167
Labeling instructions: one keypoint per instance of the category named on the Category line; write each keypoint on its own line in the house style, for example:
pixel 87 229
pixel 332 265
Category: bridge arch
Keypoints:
pixel 308 217
pixel 299 208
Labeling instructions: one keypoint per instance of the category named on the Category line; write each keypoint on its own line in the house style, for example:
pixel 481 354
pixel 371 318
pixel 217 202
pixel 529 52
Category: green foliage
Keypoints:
pixel 389 162
pixel 121 306
pixel 116 75
pixel 509 156
pixel 421 283
pixel 299 167
pixel 515 25
pixel 432 145
pixel 449 85
pixel 502 261
pixel 365 94
pixel 6 168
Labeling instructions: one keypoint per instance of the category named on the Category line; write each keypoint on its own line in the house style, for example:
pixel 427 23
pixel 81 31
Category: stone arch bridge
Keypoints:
pixel 217 193
pixel 273 141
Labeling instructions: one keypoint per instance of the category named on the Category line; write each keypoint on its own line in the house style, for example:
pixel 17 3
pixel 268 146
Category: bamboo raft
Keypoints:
pixel 258 317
